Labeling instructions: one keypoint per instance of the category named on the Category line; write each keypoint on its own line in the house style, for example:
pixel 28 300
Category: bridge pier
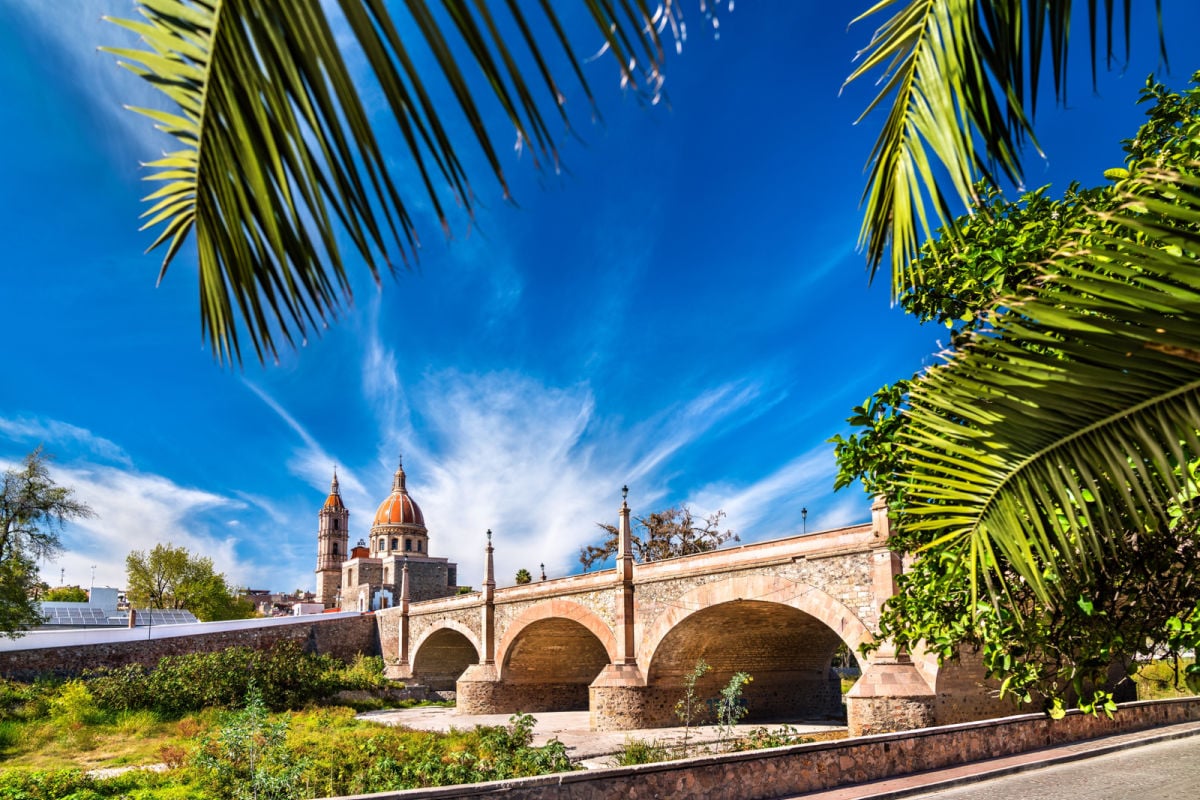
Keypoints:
pixel 891 695
pixel 619 699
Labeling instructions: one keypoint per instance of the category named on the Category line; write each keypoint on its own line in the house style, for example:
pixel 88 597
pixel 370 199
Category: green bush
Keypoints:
pixel 373 759
pixel 364 673
pixel 285 676
pixel 46 785
pixel 74 784
pixel 248 757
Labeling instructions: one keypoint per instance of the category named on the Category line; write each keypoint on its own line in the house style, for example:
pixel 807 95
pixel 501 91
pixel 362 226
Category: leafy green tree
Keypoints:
pixel 665 534
pixel 271 154
pixel 66 594
pixel 523 577
pixel 33 510
pixel 1046 474
pixel 171 577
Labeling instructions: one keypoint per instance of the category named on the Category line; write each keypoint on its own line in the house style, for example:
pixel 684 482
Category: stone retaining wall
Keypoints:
pixel 764 774
pixel 342 637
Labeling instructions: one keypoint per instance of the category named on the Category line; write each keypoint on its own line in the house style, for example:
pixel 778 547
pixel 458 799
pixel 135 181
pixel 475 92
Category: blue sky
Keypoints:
pixel 683 310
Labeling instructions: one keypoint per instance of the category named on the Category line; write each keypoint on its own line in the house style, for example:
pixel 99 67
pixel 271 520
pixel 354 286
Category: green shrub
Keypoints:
pixel 46 785
pixel 286 677
pixel 74 705
pixel 248 757
pixel 364 673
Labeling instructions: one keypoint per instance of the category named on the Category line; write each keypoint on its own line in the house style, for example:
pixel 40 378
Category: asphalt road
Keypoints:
pixel 1162 771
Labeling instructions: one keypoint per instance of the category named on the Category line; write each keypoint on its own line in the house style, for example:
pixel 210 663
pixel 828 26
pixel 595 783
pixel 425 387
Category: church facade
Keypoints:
pixel 370 575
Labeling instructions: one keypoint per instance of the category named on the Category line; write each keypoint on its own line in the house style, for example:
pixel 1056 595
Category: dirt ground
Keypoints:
pixel 589 748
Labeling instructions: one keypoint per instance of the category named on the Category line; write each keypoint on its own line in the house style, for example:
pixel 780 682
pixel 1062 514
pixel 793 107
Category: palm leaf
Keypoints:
pixel 956 72
pixel 277 156
pixel 1064 433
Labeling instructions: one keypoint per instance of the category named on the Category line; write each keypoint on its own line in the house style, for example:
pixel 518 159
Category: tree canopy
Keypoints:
pixel 66 594
pixel 33 510
pixel 1045 475
pixel 664 534
pixel 171 577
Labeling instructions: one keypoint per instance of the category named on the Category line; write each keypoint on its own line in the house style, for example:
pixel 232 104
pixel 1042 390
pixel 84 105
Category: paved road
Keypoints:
pixel 1161 771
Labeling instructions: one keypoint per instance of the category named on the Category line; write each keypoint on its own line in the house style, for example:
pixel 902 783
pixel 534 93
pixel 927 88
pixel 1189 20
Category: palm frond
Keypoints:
pixel 956 72
pixel 277 155
pixel 1066 431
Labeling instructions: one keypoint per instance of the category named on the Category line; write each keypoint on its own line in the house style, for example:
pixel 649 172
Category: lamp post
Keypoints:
pixel 804 520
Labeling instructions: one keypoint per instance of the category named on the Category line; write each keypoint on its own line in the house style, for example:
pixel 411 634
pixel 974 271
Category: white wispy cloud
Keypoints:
pixel 311 461
pixel 136 511
pixel 28 429
pixel 74 29
pixel 771 507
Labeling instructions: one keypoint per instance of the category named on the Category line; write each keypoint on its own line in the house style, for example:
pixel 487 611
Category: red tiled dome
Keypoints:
pixel 398 508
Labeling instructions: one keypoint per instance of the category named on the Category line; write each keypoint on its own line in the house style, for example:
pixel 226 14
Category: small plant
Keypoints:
pixel 688 705
pixel 731 706
pixel 248 758
pixel 173 755
pixel 763 738
pixel 641 751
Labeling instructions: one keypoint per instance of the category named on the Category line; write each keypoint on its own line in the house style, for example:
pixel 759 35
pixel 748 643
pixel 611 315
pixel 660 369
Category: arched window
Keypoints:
pixel 335 524
pixel 418 545
pixel 395 544
pixel 408 545
pixel 335 550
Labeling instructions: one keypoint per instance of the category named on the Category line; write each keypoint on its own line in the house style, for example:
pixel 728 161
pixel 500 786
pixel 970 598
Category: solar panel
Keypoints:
pixel 75 616
pixel 164 616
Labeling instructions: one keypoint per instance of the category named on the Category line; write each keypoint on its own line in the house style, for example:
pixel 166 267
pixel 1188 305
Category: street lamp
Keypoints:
pixel 804 520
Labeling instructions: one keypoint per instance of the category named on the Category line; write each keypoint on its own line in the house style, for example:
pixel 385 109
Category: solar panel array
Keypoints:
pixel 164 616
pixel 96 617
pixel 88 617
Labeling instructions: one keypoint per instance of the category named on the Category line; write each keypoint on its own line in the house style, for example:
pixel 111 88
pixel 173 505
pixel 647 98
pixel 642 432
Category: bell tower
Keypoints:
pixel 333 538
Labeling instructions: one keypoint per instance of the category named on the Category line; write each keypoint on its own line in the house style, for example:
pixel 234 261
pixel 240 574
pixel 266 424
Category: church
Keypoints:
pixel 369 576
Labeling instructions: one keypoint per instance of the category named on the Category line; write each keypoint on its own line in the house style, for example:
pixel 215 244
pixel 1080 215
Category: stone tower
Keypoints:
pixel 333 538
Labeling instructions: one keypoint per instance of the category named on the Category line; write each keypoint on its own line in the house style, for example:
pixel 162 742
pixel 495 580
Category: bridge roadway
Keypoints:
pixel 619 643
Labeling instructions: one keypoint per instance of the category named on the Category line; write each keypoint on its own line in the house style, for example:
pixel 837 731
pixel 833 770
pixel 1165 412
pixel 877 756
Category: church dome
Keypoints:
pixel 398 508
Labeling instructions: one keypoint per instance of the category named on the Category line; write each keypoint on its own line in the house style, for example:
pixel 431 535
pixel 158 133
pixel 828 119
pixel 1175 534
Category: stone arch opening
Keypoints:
pixel 787 652
pixel 550 664
pixel 442 657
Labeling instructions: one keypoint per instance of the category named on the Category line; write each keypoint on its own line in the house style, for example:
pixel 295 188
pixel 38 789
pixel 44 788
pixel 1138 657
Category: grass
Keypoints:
pixel 129 739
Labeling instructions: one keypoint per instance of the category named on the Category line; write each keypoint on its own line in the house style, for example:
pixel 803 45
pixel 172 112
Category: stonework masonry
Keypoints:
pixel 620 642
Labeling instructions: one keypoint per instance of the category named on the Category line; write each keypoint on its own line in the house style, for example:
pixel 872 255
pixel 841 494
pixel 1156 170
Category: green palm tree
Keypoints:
pixel 1063 436
pixel 277 156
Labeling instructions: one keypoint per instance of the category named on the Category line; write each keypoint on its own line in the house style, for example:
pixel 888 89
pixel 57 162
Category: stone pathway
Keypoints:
pixel 588 748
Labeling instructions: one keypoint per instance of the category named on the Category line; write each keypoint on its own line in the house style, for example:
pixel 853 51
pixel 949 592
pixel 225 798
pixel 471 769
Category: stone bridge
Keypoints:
pixel 620 642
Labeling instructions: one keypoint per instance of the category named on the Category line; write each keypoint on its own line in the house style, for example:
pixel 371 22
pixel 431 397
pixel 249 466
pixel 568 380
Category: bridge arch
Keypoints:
pixel 784 633
pixel 443 652
pixel 555 649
